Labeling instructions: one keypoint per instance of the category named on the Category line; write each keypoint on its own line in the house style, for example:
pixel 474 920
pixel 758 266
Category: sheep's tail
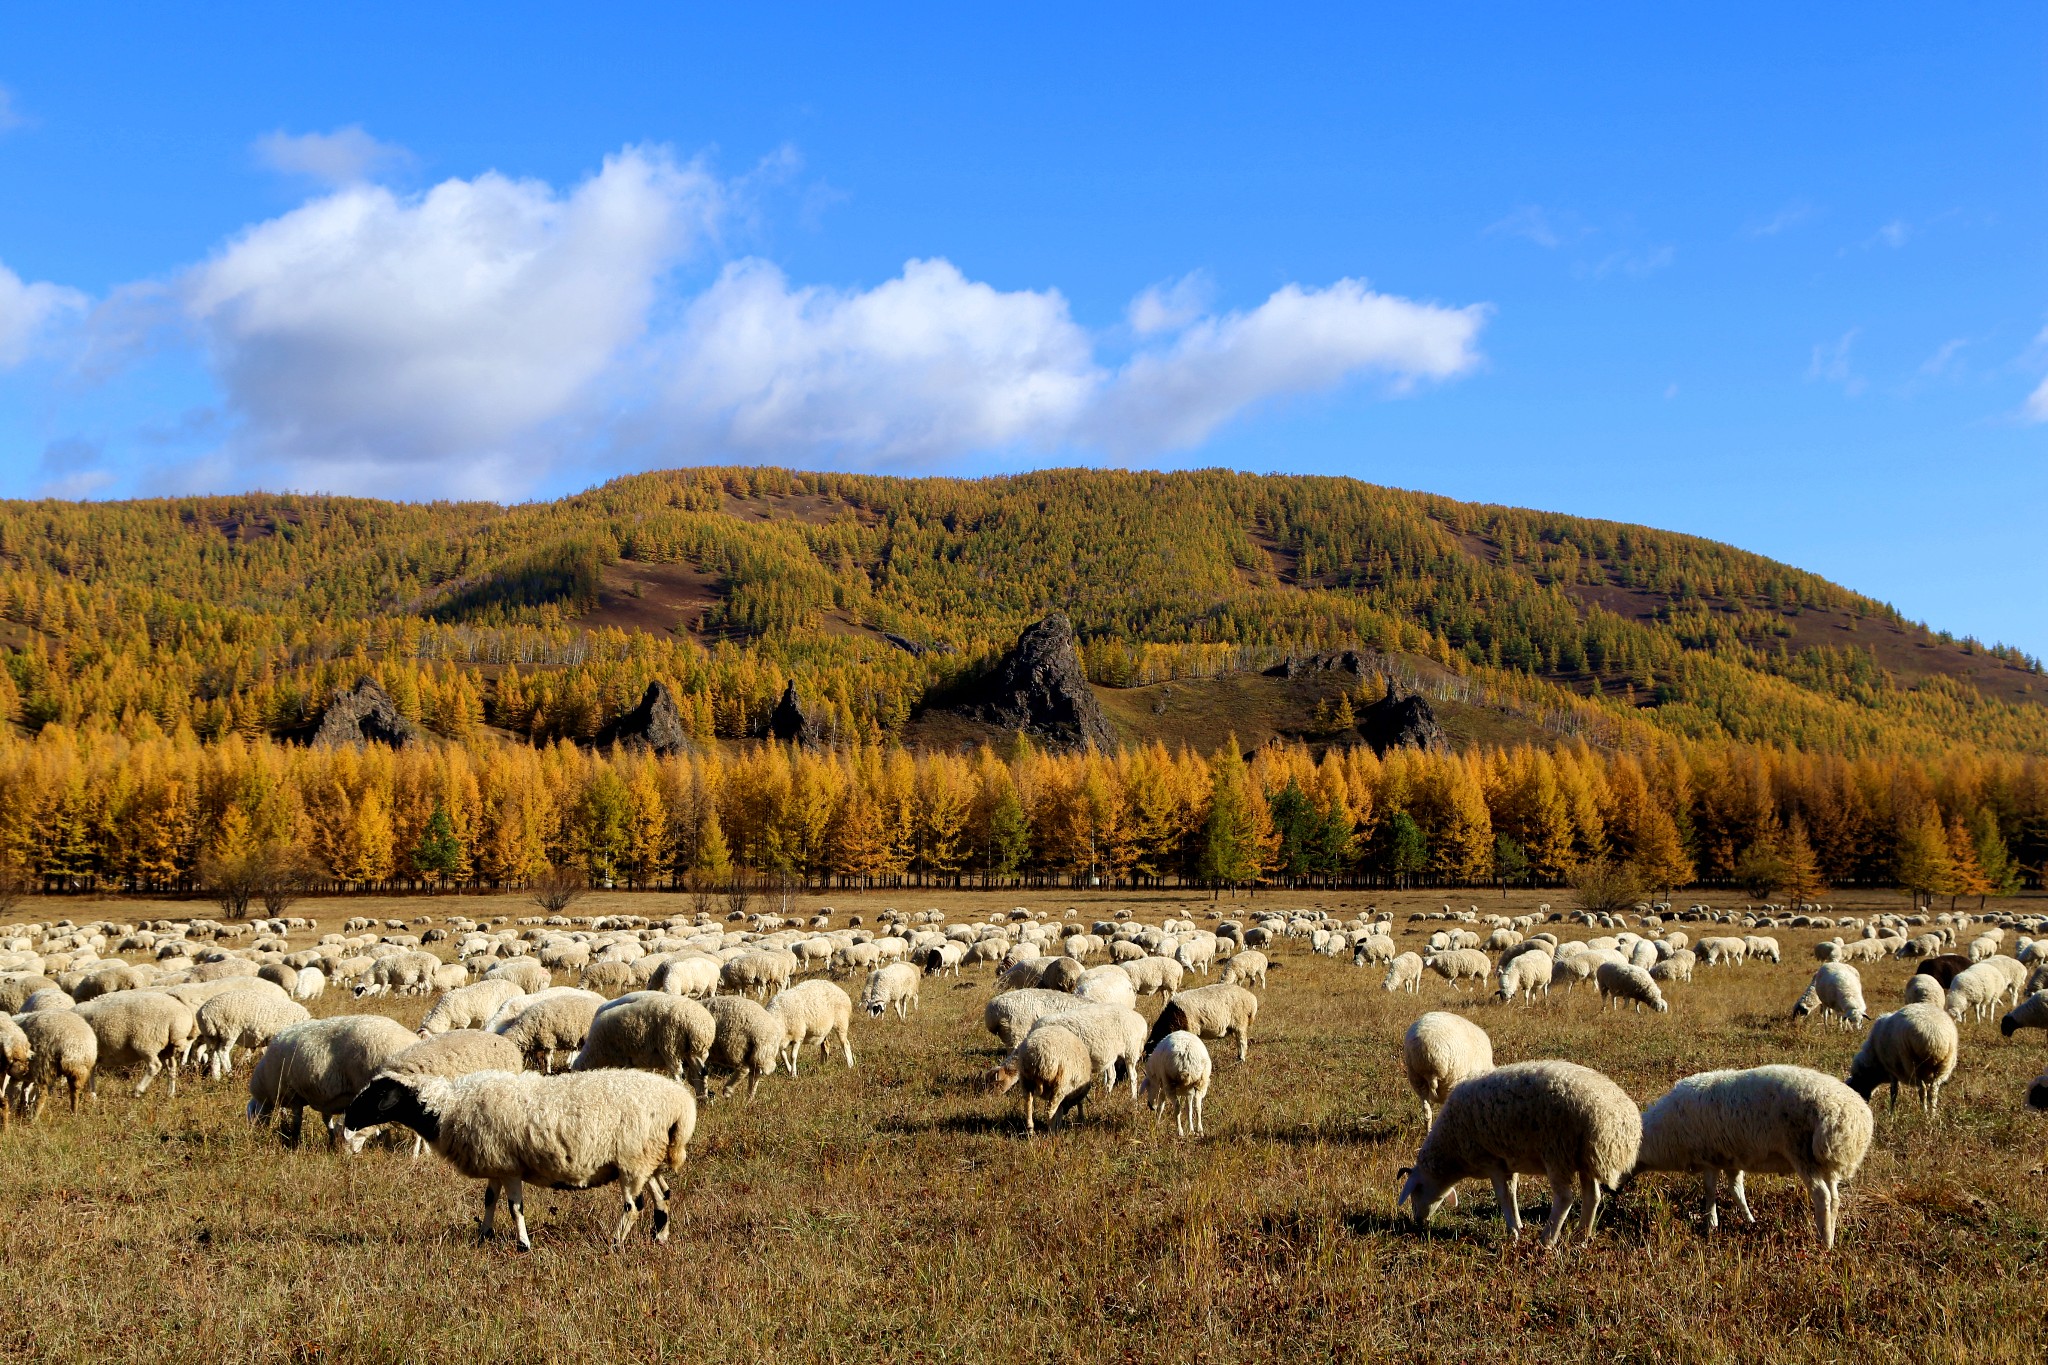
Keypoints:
pixel 678 1141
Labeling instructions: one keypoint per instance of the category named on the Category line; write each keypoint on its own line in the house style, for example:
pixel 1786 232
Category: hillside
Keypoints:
pixel 876 594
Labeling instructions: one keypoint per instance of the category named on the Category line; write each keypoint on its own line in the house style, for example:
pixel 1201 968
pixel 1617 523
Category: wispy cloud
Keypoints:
pixel 1634 264
pixel 1784 220
pixel 29 312
pixel 1832 364
pixel 1894 234
pixel 11 116
pixel 1946 358
pixel 1533 223
pixel 342 157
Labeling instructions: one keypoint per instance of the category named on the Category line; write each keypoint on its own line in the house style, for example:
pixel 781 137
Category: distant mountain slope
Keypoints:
pixel 240 612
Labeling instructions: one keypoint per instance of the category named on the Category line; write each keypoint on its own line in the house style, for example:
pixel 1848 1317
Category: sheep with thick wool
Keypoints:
pixel 62 1047
pixel 1837 990
pixel 1109 985
pixel 576 1131
pixel 148 1029
pixel 1011 1015
pixel 1218 1011
pixel 1925 990
pixel 2031 1012
pixel 321 1065
pixel 895 987
pixel 1774 1120
pixel 1460 964
pixel 814 1012
pixel 15 1058
pixel 1438 1052
pixel 557 1020
pixel 525 973
pixel 1526 975
pixel 242 1019
pixel 469 1007
pixel 1051 1064
pixel 1404 973
pixel 747 1045
pixel 669 1035
pixel 457 1052
pixel 1177 1072
pixel 1978 990
pixel 1917 1046
pixel 1621 982
pixel 1558 1119
pixel 1246 968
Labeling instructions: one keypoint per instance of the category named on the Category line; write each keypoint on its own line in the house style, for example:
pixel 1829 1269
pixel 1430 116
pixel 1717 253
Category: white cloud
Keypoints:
pixel 1944 359
pixel 1170 307
pixel 27 312
pixel 1530 223
pixel 2036 408
pixel 1831 364
pixel 1635 264
pixel 365 332
pixel 342 157
pixel 1894 234
pixel 1786 218
pixel 10 117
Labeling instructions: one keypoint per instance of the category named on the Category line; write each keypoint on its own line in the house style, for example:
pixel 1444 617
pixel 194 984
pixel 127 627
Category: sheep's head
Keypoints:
pixel 2007 1026
pixel 1422 1192
pixel 1004 1077
pixel 388 1099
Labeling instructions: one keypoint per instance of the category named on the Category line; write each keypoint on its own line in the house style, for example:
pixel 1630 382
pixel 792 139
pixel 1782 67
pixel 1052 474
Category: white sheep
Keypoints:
pixel 694 975
pixel 1777 1120
pixel 1917 1045
pixel 1404 973
pixel 15 1059
pixel 1837 989
pixel 1217 1011
pixel 1460 964
pixel 669 1035
pixel 895 987
pixel 1010 1016
pixel 469 1007
pixel 62 1047
pixel 747 1045
pixel 457 1052
pixel 762 972
pixel 321 1065
pixel 1177 1072
pixel 1526 974
pixel 1440 1050
pixel 1246 968
pixel 575 1131
pixel 814 1012
pixel 141 1028
pixel 556 1020
pixel 1109 985
pixel 1053 1065
pixel 241 1019
pixel 1978 989
pixel 1562 1120
pixel 1624 981
pixel 1677 967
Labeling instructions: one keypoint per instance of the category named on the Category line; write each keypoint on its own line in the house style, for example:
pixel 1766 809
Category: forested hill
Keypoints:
pixel 876 594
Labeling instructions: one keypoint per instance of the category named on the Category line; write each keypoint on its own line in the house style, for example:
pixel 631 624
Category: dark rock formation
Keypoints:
pixel 904 643
pixel 364 715
pixel 1398 722
pixel 1040 688
pixel 654 724
pixel 792 724
pixel 1343 661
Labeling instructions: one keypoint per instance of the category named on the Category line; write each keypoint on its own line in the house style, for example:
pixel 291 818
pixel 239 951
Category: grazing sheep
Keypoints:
pixel 607 978
pixel 1565 1121
pixel 62 1046
pixel 525 973
pixel 141 1028
pixel 2031 1012
pixel 1109 985
pixel 1011 1015
pixel 1177 1072
pixel 469 1007
pixel 1216 1011
pixel 1978 989
pixel 747 1044
pixel 1525 974
pixel 1373 948
pixel 761 973
pixel 557 1021
pixel 242 1019
pixel 571 1132
pixel 1925 990
pixel 1620 981
pixel 1053 1065
pixel 457 1052
pixel 15 1056
pixel 17 987
pixel 1439 1050
pixel 669 1035
pixel 1404 973
pixel 1836 989
pixel 321 1065
pixel 814 1012
pixel 894 986
pixel 1762 946
pixel 1917 1045
pixel 1677 967
pixel 1776 1120
pixel 1460 964
pixel 1247 968
pixel 309 985
pixel 695 976
pixel 48 998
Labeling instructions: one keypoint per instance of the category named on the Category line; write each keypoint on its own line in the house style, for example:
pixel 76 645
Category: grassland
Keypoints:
pixel 897 1212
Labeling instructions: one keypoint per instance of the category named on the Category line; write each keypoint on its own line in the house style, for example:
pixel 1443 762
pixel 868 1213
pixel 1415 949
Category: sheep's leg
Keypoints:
pixel 489 1231
pixel 1030 1125
pixel 1713 1188
pixel 419 1145
pixel 1560 1206
pixel 1244 1043
pixel 1930 1097
pixel 1509 1213
pixel 155 1065
pixel 845 1042
pixel 754 1084
pixel 1822 1198
pixel 1742 1199
pixel 790 1059
pixel 1428 1115
pixel 174 1075
pixel 659 1193
pixel 1200 1129
pixel 1589 1204
pixel 624 1229
pixel 515 1199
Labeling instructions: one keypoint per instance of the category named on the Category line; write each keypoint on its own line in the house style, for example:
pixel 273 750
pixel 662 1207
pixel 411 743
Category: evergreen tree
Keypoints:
pixel 1920 860
pixel 1229 847
pixel 1510 864
pixel 1802 883
pixel 2001 871
pixel 1009 837
pixel 438 854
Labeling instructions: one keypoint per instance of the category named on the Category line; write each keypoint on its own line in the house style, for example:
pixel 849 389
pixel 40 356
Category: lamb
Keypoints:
pixel 558 1021
pixel 1247 968
pixel 1053 1065
pixel 1778 1120
pixel 814 1012
pixel 1917 1045
pixel 242 1019
pixel 321 1065
pixel 1525 974
pixel 469 1007
pixel 1978 989
pixel 1177 1072
pixel 669 1035
pixel 1460 964
pixel 1216 1011
pixel 747 1044
pixel 2031 1012
pixel 62 1046
pixel 1564 1120
pixel 893 986
pixel 1621 981
pixel 1403 974
pixel 1440 1050
pixel 1837 989
pixel 570 1132
pixel 141 1028
pixel 457 1052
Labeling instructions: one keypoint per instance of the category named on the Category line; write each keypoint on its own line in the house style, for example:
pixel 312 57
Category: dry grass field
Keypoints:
pixel 897 1212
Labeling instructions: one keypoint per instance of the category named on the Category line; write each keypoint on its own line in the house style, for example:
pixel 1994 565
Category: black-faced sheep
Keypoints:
pixel 1218 1011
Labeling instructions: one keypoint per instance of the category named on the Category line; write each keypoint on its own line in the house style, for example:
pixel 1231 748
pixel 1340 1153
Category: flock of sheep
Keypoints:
pixel 516 1080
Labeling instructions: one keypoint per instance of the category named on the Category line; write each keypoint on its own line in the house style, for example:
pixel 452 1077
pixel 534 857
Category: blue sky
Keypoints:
pixel 1769 274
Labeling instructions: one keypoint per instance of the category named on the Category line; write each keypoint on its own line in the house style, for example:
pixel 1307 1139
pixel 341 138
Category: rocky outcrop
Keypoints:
pixel 1400 722
pixel 1040 688
pixel 791 723
pixel 1295 666
pixel 654 724
pixel 364 715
